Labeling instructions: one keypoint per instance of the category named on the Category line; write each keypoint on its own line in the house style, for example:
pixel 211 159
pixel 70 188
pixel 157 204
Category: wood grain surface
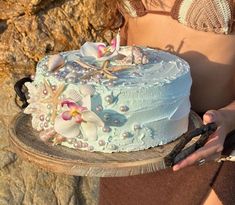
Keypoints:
pixel 27 145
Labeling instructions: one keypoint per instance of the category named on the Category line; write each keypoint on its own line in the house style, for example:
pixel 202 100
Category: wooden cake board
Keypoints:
pixel 27 145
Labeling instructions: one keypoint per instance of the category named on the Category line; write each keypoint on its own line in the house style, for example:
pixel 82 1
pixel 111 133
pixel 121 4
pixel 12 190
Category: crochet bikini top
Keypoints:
pixel 204 15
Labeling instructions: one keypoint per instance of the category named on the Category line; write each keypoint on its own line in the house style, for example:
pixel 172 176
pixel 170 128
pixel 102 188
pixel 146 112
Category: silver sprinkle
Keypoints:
pixel 111 83
pixel 124 108
pixel 32 77
pixel 71 80
pixel 47 74
pixel 45 92
pixel 53 87
pixel 46 124
pixel 106 129
pixel 101 142
pixel 125 135
pixel 78 144
pixel 109 99
pixel 41 117
pixel 136 127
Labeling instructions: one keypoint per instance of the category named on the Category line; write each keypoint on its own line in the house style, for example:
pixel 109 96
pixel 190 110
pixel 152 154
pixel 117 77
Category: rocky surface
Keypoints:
pixel 30 29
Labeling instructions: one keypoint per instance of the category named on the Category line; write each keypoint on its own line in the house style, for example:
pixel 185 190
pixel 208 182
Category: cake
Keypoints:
pixel 110 98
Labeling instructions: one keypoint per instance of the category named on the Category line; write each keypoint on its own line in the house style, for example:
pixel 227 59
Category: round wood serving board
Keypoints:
pixel 27 144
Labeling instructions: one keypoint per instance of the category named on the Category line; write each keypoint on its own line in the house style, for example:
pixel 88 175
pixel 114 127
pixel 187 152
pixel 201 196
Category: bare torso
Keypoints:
pixel 211 56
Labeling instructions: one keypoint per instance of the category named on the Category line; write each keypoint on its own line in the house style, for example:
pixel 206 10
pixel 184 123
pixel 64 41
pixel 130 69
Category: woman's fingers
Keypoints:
pixel 205 152
pixel 212 148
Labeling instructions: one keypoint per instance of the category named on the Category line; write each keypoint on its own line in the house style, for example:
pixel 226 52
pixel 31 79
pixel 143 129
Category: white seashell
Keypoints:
pixel 71 75
pixel 90 49
pixel 87 90
pixel 67 128
pixel 74 95
pixel 55 62
pixel 145 59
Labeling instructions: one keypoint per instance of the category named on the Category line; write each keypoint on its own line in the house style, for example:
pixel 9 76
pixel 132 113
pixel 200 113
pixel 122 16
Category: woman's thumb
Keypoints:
pixel 210 116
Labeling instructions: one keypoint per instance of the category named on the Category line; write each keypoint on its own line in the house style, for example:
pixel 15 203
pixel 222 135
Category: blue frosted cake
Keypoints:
pixel 110 98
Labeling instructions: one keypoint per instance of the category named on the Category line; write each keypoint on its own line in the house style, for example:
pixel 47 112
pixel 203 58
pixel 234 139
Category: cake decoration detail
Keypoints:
pixel 55 62
pixel 53 99
pixel 115 103
pixel 81 121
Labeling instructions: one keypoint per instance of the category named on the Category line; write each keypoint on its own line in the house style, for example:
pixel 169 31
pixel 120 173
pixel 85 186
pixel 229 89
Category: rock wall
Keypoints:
pixel 30 29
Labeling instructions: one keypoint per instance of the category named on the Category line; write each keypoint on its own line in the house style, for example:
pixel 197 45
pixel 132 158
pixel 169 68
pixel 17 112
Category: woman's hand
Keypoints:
pixel 213 147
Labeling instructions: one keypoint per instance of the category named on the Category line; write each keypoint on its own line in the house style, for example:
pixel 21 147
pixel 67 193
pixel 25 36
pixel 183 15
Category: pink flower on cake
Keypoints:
pixel 100 51
pixel 76 120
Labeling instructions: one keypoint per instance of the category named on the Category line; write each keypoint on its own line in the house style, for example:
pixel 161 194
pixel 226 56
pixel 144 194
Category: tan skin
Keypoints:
pixel 212 60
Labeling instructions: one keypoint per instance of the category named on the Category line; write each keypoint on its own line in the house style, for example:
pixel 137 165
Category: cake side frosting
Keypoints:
pixel 140 106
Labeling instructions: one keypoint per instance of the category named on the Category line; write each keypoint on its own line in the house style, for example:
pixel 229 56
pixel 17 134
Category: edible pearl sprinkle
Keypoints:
pixel 32 77
pixel 101 142
pixel 45 92
pixel 109 99
pixel 41 117
pixel 136 127
pixel 125 134
pixel 106 129
pixel 110 83
pixel 70 140
pixel 124 108
pixel 46 124
pixel 78 144
pixel 47 74
pixel 70 80
pixel 53 87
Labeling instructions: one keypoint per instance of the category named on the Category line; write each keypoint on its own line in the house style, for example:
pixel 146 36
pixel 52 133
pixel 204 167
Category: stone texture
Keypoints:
pixel 31 29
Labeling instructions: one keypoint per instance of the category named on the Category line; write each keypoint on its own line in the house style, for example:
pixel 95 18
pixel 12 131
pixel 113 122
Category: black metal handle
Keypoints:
pixel 19 90
pixel 177 154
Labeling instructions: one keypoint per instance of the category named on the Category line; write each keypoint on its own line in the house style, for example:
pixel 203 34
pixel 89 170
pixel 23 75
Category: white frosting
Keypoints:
pixel 147 105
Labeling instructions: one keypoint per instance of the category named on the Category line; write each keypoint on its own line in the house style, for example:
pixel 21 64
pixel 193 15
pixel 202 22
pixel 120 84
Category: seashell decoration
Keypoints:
pixel 55 62
pixel 87 90
pixel 74 95
pixel 135 55
pixel 138 56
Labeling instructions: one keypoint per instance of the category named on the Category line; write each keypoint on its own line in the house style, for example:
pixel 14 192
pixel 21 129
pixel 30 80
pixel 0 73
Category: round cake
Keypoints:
pixel 110 98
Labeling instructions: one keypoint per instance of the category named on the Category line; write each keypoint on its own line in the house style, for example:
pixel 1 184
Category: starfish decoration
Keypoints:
pixel 106 71
pixel 53 99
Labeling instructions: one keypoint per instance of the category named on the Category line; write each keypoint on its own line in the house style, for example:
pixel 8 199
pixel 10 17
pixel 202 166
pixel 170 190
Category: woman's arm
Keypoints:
pixel 225 120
